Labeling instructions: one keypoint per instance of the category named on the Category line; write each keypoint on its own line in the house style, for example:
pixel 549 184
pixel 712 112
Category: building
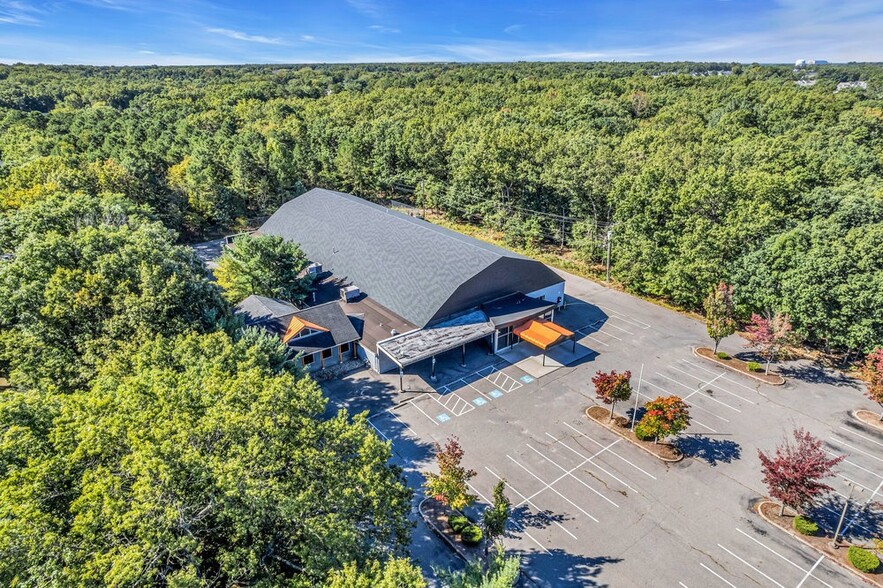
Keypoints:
pixel 322 335
pixel 424 290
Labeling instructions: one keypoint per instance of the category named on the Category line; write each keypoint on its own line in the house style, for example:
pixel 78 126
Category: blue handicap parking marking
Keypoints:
pixel 526 379
pixel 479 401
pixel 443 417
pixel 495 393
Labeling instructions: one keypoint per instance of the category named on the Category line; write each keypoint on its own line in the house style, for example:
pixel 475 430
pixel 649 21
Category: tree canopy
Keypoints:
pixel 703 171
pixel 192 460
pixel 265 265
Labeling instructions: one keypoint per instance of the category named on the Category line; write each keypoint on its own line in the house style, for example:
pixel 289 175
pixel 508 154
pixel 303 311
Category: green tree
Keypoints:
pixel 502 572
pixel 193 460
pixel 393 573
pixel 266 265
pixel 450 485
pixel 720 319
pixel 496 516
pixel 86 273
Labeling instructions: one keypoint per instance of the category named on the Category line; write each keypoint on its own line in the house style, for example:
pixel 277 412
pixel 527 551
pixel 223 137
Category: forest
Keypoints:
pixel 702 172
pixel 147 439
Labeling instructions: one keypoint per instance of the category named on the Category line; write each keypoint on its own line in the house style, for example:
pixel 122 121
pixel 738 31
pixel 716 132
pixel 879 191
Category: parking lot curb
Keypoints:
pixel 732 369
pixel 630 440
pixel 758 508
pixel 869 426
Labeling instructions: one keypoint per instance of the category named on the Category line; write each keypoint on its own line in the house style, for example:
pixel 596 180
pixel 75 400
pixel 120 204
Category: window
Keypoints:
pixel 306 332
pixel 344 349
pixel 308 359
pixel 326 353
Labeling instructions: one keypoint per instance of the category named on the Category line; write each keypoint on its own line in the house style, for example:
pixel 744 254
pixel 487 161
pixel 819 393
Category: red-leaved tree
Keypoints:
pixel 612 388
pixel 769 335
pixel 793 474
pixel 871 371
pixel 449 485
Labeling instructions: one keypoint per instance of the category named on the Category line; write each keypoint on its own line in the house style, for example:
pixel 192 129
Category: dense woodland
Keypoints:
pixel 146 439
pixel 747 177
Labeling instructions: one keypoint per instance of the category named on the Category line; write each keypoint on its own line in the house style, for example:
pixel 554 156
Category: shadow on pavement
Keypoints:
pixel 561 568
pixel 709 450
pixel 860 524
pixel 817 374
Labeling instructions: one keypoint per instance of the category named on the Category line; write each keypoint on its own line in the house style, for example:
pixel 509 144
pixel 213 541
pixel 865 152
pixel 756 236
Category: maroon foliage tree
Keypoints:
pixel 613 387
pixel 769 335
pixel 871 371
pixel 793 474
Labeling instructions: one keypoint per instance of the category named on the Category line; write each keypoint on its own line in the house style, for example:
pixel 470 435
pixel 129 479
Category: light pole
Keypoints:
pixel 834 543
pixel 637 396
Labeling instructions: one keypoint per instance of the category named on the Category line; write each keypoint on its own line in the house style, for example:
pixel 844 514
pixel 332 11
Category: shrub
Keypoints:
pixel 753 366
pixel 471 535
pixel 863 559
pixel 723 355
pixel 458 523
pixel 804 526
pixel 644 431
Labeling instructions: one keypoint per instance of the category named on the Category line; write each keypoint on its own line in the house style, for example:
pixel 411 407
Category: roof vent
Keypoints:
pixel 349 293
pixel 393 332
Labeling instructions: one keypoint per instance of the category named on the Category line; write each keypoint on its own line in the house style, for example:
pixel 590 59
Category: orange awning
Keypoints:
pixel 542 333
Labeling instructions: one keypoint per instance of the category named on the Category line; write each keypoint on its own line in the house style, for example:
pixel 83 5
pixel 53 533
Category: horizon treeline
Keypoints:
pixel 766 177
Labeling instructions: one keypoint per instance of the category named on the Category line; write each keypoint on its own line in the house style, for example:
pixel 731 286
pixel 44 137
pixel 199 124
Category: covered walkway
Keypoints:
pixel 544 334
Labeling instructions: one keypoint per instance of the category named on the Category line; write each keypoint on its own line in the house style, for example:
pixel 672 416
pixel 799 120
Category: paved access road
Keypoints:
pixel 591 509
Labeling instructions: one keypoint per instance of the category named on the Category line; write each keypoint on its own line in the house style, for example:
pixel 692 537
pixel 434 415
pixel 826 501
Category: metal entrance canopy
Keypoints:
pixel 409 348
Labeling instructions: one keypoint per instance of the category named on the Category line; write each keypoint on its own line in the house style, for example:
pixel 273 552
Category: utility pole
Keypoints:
pixel 562 227
pixel 609 239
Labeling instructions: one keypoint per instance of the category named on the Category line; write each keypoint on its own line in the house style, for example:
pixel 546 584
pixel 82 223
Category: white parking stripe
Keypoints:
pixel 693 404
pixel 396 417
pixel 570 472
pixel 611 452
pixel 726 379
pixel 750 566
pixel 623 316
pixel 411 402
pixel 534 506
pixel 853 464
pixel 694 390
pixel 589 460
pixel 860 435
pixel 811 570
pixel 609 324
pixel 856 449
pixel 722 579
pixel 540 480
pixel 776 553
pixel 710 383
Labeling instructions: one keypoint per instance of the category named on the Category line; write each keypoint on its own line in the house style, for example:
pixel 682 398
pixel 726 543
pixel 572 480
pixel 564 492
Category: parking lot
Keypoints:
pixel 592 509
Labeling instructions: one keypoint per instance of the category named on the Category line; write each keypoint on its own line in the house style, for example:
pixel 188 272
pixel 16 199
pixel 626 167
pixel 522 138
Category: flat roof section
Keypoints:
pixel 515 308
pixel 409 348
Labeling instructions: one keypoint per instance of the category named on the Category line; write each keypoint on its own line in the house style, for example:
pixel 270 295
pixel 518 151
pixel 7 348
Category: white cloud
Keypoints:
pixel 18 13
pixel 512 29
pixel 240 36
pixel 384 29
pixel 307 38
pixel 370 8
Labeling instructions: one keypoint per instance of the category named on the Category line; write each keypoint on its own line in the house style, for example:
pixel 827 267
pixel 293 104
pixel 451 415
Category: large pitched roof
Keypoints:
pixel 418 270
pixel 256 308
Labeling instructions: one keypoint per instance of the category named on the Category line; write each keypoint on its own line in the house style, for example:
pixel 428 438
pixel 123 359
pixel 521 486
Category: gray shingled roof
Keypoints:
pixel 418 270
pixel 329 315
pixel 256 308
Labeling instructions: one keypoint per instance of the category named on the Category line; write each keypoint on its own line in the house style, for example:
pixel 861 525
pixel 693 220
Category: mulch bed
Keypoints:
pixel 436 516
pixel 821 542
pixel 737 365
pixel 869 418
pixel 620 426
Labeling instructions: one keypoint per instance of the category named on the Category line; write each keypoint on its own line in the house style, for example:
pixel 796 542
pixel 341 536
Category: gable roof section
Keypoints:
pixel 297 326
pixel 418 270
pixel 333 324
pixel 255 309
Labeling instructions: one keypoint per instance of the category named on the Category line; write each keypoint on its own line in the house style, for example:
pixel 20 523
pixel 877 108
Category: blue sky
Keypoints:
pixel 122 32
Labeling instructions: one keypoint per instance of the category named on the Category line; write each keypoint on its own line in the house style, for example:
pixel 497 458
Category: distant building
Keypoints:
pixel 800 63
pixel 860 85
